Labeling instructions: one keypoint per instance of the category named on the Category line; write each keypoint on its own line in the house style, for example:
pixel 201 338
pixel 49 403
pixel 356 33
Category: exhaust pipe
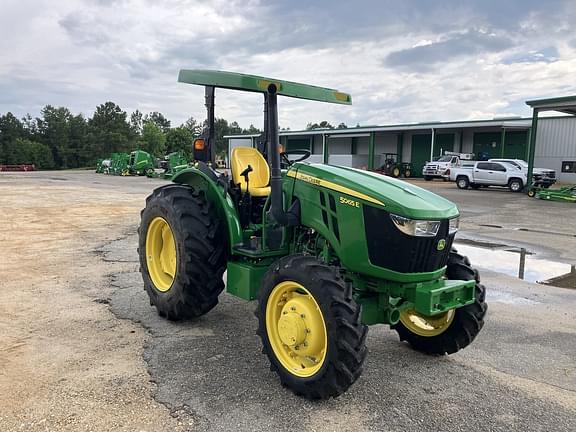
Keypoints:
pixel 292 216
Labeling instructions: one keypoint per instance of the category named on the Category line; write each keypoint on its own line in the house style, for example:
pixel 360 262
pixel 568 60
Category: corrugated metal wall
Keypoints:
pixel 555 143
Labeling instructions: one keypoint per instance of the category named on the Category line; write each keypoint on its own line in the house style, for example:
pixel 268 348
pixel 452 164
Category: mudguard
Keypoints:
pixel 218 196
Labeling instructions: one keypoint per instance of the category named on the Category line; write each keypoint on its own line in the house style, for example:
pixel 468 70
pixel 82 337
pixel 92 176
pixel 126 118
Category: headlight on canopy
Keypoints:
pixel 453 225
pixel 413 227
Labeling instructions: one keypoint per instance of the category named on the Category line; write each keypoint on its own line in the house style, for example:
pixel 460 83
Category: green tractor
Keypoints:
pixel 325 250
pixel 393 168
pixel 140 163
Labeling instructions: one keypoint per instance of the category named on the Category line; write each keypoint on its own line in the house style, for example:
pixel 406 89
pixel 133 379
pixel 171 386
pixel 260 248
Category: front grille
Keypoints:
pixel 390 248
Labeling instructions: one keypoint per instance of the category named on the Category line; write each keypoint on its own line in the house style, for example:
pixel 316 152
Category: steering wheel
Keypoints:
pixel 304 154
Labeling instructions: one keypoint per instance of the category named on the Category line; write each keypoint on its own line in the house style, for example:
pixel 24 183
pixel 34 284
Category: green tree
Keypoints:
pixel 36 153
pixel 234 129
pixel 54 131
pixel 108 132
pixel 153 139
pixel 342 126
pixel 136 122
pixel 252 130
pixel 193 126
pixel 322 125
pixel 221 128
pixel 75 156
pixel 159 120
pixel 30 125
pixel 10 130
pixel 180 139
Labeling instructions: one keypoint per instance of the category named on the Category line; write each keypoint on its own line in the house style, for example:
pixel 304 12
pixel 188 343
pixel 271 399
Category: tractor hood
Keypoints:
pixel 396 196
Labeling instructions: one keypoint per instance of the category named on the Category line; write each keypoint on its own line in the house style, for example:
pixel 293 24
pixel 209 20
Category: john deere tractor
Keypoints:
pixel 325 250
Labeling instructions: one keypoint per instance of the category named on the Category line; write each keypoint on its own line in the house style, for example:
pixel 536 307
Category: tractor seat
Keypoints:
pixel 259 178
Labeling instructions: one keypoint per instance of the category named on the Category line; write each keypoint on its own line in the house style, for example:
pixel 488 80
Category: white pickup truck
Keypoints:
pixel 541 177
pixel 484 174
pixel 440 166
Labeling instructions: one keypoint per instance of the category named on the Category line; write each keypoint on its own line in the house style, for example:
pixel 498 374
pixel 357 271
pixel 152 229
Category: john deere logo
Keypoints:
pixel 441 245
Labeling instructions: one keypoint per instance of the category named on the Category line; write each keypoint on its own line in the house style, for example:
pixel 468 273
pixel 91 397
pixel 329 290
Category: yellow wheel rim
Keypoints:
pixel 161 254
pixel 296 329
pixel 426 326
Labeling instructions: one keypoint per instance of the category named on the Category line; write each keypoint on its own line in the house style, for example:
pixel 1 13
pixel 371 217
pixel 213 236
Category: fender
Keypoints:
pixel 216 194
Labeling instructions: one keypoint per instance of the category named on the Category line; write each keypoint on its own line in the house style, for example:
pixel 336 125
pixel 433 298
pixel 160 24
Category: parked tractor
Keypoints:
pixel 325 250
pixel 393 168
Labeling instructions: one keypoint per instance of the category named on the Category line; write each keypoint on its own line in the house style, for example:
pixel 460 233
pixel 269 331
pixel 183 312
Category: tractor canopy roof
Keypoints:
pixel 252 83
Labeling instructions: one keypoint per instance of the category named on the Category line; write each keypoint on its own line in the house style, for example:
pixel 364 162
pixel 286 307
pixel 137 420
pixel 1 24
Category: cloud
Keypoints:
pixel 545 55
pixel 402 61
pixel 467 44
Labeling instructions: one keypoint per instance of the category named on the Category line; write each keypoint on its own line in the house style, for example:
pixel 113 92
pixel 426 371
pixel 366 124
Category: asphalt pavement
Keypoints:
pixel 518 375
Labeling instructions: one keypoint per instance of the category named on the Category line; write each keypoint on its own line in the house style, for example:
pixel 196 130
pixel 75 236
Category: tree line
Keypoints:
pixel 58 139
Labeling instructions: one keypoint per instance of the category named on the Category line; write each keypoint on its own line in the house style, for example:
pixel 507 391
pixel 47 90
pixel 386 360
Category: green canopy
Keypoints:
pixel 252 83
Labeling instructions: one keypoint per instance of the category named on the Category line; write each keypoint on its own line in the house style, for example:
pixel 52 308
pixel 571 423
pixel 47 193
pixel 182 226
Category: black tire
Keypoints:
pixel 200 251
pixel 428 178
pixel 396 172
pixel 462 182
pixel 531 193
pixel 515 185
pixel 346 335
pixel 407 173
pixel 467 322
pixel 475 186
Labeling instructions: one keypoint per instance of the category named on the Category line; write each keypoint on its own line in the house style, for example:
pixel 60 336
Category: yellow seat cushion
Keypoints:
pixel 259 178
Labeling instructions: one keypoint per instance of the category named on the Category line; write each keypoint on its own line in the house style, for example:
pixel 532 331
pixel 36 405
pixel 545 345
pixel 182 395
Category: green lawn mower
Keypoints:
pixel 325 250
pixel 564 194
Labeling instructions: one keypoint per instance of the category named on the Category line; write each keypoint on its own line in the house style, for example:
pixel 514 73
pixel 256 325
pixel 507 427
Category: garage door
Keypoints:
pixel 443 143
pixel 421 149
pixel 487 145
pixel 515 144
pixel 420 152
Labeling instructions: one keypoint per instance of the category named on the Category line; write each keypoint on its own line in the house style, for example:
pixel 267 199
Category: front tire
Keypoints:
pixel 182 251
pixel 515 185
pixel 453 330
pixel 462 182
pixel 310 327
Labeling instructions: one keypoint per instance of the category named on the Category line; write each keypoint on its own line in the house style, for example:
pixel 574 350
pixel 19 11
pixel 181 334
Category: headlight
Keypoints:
pixel 418 228
pixel 453 225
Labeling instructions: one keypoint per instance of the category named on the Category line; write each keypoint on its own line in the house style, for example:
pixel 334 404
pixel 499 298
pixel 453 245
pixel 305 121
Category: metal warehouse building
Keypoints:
pixel 365 147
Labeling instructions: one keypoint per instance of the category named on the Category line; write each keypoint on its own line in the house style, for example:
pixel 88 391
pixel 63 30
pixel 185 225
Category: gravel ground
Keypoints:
pixel 83 350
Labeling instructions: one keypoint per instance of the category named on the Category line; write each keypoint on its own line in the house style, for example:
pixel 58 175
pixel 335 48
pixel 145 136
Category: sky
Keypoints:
pixel 402 61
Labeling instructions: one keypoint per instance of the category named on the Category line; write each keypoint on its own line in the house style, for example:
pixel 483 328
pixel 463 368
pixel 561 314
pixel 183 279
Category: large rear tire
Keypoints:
pixel 451 331
pixel 182 249
pixel 310 327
